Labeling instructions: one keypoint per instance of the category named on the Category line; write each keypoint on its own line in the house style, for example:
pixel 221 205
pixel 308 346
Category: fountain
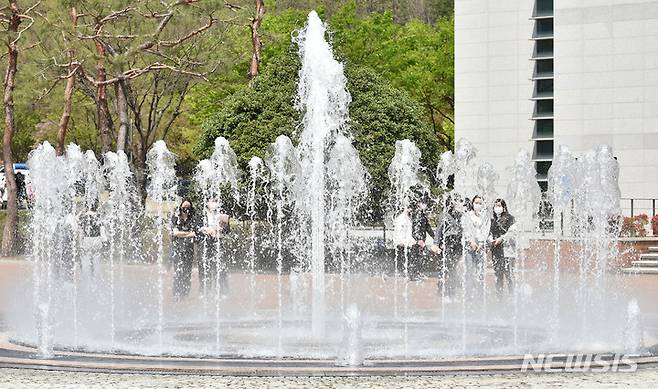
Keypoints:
pixel 323 98
pixel 215 177
pixel 407 182
pixel 561 186
pixel 257 176
pixel 348 180
pixel 306 290
pixel 161 190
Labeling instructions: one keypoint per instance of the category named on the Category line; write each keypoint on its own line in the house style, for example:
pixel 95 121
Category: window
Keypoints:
pixel 543 149
pixel 543 108
pixel 544 48
pixel 543 28
pixel 543 88
pixel 543 128
pixel 544 8
pixel 542 169
pixel 544 68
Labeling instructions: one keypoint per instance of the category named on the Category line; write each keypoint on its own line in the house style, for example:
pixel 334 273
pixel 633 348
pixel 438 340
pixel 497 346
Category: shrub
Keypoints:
pixel 635 226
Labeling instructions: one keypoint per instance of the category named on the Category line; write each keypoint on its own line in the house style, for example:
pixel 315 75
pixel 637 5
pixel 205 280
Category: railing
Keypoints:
pixel 629 207
pixel 636 206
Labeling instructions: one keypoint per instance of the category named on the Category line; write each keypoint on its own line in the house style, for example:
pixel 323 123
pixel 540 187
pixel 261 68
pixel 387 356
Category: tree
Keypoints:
pixel 403 11
pixel 416 56
pixel 146 57
pixel 13 17
pixel 252 118
pixel 256 42
pixel 73 68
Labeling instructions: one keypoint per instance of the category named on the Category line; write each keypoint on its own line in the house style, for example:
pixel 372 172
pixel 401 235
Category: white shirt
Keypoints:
pixel 402 233
pixel 476 227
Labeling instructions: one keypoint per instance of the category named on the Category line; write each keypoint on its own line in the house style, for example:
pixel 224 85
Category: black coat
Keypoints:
pixel 449 234
pixel 420 226
pixel 183 248
pixel 499 227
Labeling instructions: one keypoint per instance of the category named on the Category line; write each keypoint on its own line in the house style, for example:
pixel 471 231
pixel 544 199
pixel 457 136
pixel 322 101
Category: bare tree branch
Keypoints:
pixel 115 15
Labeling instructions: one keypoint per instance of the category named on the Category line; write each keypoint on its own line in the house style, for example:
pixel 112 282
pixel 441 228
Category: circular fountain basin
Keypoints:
pixel 20 356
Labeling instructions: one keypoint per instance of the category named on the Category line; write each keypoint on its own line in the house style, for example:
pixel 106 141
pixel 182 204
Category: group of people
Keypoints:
pixel 466 231
pixel 193 236
pixel 205 232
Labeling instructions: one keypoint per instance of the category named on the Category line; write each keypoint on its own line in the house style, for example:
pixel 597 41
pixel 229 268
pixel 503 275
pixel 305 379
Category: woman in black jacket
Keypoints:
pixel 449 243
pixel 502 245
pixel 183 225
pixel 420 229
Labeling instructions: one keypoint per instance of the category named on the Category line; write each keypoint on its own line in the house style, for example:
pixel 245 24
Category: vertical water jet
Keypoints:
pixel 323 99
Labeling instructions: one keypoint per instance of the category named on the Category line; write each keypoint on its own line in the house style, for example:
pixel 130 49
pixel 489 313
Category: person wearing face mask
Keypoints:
pixel 476 231
pixel 212 253
pixel 182 247
pixel 420 229
pixel 502 245
pixel 449 243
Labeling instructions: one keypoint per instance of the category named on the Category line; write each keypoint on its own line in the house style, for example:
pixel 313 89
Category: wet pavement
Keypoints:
pixel 643 286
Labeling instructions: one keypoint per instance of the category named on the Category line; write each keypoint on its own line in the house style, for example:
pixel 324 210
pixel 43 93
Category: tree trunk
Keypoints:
pixel 256 43
pixel 140 169
pixel 9 233
pixel 68 92
pixel 102 108
pixel 124 121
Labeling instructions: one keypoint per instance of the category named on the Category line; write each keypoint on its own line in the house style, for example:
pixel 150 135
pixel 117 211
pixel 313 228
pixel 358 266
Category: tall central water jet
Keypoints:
pixel 161 190
pixel 323 98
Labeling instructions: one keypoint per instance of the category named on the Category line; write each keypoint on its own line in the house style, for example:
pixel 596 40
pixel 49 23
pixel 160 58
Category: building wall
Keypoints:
pixel 606 85
pixel 492 79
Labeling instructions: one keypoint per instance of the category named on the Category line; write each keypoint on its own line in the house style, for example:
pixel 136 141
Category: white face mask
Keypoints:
pixel 498 209
pixel 477 207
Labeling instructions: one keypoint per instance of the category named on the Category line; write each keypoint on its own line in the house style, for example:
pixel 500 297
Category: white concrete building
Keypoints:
pixel 536 74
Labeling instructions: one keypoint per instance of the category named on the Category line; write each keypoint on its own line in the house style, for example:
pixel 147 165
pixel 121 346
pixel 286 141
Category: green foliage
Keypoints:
pixel 406 44
pixel 403 10
pixel 382 114
pixel 252 118
pixel 416 57
pixel 23 142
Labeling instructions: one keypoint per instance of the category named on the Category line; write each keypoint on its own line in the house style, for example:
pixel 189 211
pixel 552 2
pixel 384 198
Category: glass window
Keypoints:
pixel 544 128
pixel 543 28
pixel 544 107
pixel 544 88
pixel 544 48
pixel 544 149
pixel 544 8
pixel 544 68
pixel 542 168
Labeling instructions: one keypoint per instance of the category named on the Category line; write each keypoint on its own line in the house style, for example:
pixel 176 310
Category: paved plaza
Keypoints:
pixel 21 378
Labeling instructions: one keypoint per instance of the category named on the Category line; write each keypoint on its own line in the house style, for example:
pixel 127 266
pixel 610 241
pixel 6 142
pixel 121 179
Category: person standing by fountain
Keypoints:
pixel 93 235
pixel 182 247
pixel 502 246
pixel 214 230
pixel 476 231
pixel 402 235
pixel 420 229
pixel 448 238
